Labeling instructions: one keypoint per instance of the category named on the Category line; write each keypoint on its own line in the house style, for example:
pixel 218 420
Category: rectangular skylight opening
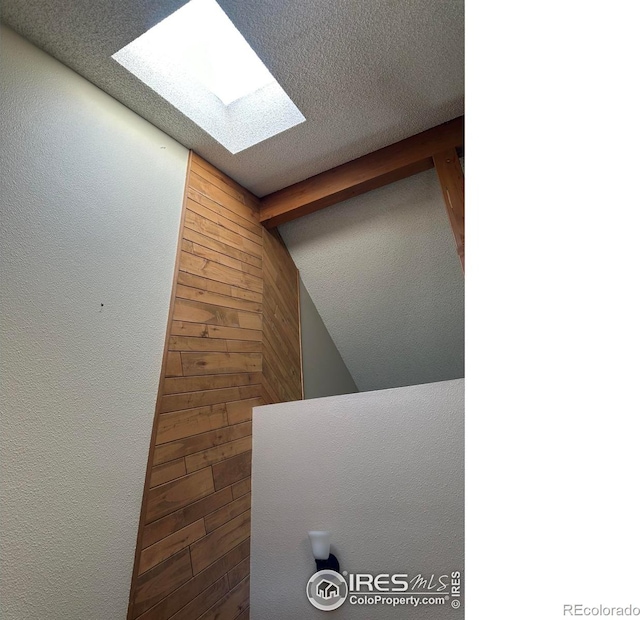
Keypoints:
pixel 199 62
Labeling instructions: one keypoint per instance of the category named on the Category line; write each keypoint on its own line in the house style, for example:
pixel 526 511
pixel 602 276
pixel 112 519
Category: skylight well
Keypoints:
pixel 199 62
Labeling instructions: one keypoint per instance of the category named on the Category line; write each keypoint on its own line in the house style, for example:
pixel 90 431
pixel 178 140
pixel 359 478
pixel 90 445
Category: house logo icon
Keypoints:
pixel 327 590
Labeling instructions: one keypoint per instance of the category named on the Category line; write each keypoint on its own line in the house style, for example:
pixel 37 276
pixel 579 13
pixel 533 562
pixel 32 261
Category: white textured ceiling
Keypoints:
pixel 381 268
pixel 365 73
pixel 385 277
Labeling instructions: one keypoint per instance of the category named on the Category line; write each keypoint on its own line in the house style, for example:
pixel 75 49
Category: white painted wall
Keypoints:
pixel 383 471
pixel 383 272
pixel 91 197
pixel 325 373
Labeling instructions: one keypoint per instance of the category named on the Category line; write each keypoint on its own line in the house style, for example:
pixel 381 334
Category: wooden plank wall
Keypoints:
pixel 281 369
pixel 233 343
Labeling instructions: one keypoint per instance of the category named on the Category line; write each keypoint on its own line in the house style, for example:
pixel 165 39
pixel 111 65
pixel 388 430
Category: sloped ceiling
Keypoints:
pixel 365 73
pixel 383 272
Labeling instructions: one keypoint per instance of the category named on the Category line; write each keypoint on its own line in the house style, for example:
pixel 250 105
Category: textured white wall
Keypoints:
pixel 325 373
pixel 383 471
pixel 91 198
pixel 383 272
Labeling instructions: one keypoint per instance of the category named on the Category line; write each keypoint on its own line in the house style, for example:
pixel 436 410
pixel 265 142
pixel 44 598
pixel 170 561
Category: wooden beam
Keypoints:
pixel 389 164
pixel 452 183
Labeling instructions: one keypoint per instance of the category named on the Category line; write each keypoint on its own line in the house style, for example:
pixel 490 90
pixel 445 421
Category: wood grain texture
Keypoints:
pixel 232 606
pixel 232 470
pixel 215 455
pixel 155 584
pixel 241 410
pixel 207 363
pixel 174 495
pixel 153 555
pixel 175 385
pixel 451 179
pixel 208 549
pixel 175 402
pixel 361 175
pixel 188 289
pixel 201 442
pixel 157 530
pixel 222 248
pixel 241 488
pixel 219 517
pixel 205 600
pixel 193 597
pixel 238 573
pixel 234 308
pixel 167 471
pixel 282 370
pixel 179 424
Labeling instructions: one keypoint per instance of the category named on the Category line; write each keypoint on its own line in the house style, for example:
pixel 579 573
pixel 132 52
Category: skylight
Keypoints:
pixel 199 62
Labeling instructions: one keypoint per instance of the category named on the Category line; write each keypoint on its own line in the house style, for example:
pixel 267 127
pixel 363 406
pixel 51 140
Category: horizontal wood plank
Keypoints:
pixel 175 385
pixel 247 197
pixel 208 176
pixel 197 585
pixel 156 583
pixel 198 443
pixel 153 555
pixel 166 472
pixel 241 488
pixel 173 367
pixel 219 453
pixel 200 330
pixel 202 186
pixel 242 410
pixel 175 495
pixel 203 283
pixel 219 517
pixel 208 363
pixel 238 573
pixel 186 343
pixel 208 314
pixel 180 343
pixel 232 470
pixel 212 270
pixel 196 222
pixel 204 601
pixel 179 424
pixel 202 251
pixel 207 297
pixel 217 246
pixel 214 213
pixel 245 217
pixel 208 549
pixel 157 530
pixel 232 605
pixel 225 317
pixel 191 400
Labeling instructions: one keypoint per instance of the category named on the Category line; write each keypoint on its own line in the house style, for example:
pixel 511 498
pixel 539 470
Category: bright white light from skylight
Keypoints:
pixel 198 61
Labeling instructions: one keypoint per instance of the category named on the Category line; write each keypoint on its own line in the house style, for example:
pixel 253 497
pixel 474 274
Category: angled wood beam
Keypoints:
pixel 452 183
pixel 389 164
